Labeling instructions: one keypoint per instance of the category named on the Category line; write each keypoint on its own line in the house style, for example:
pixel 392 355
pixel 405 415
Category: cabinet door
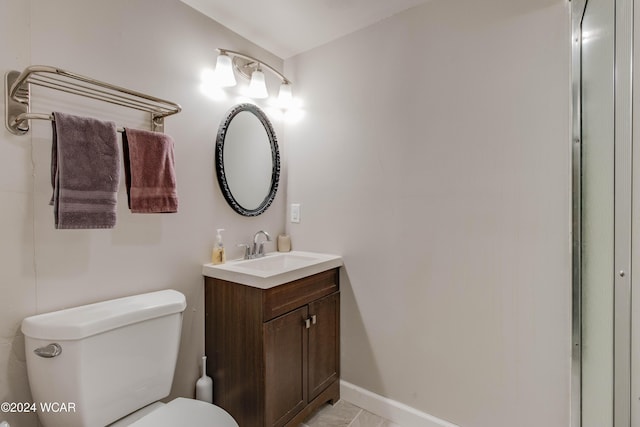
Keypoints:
pixel 285 354
pixel 324 345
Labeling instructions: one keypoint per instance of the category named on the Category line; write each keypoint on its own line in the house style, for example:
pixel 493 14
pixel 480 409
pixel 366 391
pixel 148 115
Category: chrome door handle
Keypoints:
pixel 310 321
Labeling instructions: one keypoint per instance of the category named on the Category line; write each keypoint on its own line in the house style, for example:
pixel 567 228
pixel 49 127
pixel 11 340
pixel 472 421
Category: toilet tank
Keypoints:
pixel 117 356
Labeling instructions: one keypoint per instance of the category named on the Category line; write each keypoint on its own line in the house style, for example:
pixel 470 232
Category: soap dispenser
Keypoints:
pixel 218 256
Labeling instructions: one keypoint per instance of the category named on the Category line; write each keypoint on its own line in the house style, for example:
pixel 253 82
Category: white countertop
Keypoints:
pixel 275 268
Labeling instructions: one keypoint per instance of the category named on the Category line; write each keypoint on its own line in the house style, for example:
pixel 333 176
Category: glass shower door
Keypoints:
pixel 597 212
pixel 603 139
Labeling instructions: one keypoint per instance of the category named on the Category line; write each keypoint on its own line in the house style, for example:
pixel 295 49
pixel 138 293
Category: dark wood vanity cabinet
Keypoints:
pixel 274 354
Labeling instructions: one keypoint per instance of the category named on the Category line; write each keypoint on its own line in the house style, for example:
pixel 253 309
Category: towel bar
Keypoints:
pixel 23 117
pixel 18 96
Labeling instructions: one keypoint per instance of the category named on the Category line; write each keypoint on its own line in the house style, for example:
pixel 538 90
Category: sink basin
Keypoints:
pixel 273 269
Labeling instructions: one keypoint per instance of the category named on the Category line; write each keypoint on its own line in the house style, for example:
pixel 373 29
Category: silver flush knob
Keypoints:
pixel 49 351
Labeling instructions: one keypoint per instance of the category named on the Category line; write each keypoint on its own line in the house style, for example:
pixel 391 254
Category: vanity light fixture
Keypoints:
pixel 257 86
pixel 250 68
pixel 285 96
pixel 223 73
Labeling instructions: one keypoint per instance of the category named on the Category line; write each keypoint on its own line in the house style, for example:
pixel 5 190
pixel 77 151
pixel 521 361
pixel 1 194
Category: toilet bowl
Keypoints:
pixel 111 362
pixel 180 412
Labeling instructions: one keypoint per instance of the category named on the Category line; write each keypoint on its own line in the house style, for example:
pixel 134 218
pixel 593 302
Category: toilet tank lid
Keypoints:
pixel 87 320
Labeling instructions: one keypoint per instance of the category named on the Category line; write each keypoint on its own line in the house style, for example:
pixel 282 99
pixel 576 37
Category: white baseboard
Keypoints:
pixel 396 412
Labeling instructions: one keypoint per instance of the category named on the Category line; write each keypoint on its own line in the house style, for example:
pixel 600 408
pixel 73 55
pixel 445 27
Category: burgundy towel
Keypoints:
pixel 149 171
pixel 85 172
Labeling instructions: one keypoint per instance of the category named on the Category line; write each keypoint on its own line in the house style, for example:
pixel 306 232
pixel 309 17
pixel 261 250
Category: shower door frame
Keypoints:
pixel 577 13
pixel 623 140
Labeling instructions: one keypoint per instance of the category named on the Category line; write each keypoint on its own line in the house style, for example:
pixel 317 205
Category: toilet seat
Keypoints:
pixel 187 412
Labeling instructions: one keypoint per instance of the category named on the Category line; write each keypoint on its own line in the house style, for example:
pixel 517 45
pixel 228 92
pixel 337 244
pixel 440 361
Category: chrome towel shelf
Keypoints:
pixel 18 96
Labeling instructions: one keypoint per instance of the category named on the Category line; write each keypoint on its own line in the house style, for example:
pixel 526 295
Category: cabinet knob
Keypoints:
pixel 307 322
pixel 314 319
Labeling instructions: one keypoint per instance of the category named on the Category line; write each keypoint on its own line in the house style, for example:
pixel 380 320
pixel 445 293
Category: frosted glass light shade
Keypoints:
pixel 257 87
pixel 223 73
pixel 285 97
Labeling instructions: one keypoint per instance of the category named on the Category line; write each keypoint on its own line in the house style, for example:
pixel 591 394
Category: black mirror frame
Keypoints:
pixel 219 159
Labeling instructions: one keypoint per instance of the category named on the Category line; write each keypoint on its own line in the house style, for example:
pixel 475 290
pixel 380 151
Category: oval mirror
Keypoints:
pixel 247 160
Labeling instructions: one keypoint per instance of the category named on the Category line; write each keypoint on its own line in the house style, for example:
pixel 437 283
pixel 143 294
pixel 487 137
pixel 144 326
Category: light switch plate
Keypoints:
pixel 295 212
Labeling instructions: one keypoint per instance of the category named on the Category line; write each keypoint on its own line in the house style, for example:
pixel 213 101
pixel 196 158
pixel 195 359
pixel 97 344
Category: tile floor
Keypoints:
pixel 345 414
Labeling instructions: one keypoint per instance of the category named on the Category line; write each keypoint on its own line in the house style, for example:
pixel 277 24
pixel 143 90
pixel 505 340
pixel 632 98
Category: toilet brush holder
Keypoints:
pixel 204 385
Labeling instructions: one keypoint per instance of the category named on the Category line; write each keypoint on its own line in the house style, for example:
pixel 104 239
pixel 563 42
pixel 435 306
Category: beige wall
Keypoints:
pixel 434 157
pixel 157 47
pixel 17 275
pixel 432 154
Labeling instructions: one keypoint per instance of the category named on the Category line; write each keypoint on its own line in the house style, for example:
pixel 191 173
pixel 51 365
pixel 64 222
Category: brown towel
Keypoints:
pixel 149 171
pixel 85 172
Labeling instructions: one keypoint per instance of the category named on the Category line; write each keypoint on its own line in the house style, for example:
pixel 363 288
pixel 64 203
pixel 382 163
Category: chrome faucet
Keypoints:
pixel 257 249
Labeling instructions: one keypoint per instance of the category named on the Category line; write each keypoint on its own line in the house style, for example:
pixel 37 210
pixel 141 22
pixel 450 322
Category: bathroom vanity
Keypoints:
pixel 273 342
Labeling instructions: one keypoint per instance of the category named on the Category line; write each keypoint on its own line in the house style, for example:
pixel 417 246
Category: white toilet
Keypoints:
pixel 109 363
